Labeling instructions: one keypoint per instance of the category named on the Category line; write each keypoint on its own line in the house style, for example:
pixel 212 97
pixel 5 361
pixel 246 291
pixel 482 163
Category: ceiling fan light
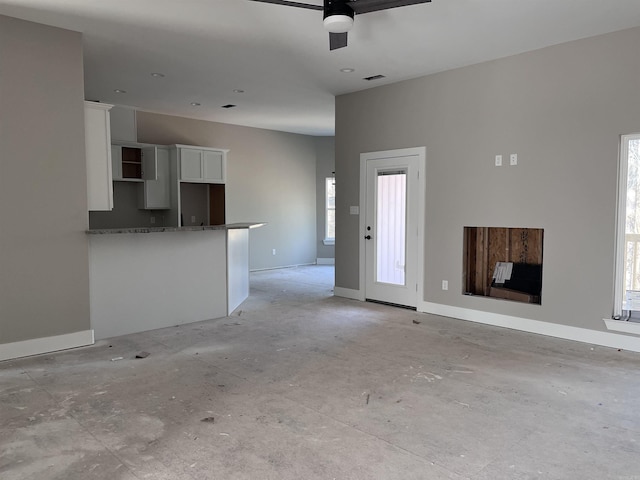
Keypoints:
pixel 338 23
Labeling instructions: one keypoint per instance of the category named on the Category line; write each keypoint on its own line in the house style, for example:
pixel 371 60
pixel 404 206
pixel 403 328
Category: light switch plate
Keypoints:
pixel 513 159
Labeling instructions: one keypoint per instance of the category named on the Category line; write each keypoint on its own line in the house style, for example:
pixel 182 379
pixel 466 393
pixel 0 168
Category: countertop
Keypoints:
pixel 194 228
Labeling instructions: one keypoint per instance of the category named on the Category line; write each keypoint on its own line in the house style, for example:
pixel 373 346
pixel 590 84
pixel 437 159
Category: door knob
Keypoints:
pixel 367 237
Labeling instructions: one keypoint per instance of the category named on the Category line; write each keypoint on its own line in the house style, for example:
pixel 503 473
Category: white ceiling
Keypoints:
pixel 280 55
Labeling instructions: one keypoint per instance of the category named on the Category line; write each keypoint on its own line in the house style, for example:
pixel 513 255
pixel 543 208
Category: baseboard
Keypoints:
pixel 585 335
pixel 325 261
pixel 37 346
pixel 622 326
pixel 348 293
pixel 280 266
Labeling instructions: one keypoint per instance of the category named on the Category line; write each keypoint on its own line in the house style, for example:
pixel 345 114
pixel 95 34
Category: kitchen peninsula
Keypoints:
pixel 146 278
pixel 160 250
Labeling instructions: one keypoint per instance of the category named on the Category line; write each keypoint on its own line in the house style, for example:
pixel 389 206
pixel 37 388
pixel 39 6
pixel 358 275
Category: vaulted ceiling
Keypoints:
pixel 273 62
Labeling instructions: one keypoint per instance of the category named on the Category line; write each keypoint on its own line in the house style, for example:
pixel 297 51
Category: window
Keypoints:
pixel 627 286
pixel 330 211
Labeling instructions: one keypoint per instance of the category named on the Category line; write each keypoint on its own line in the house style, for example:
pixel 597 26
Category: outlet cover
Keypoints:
pixel 445 284
pixel 513 159
pixel 354 210
pixel 498 160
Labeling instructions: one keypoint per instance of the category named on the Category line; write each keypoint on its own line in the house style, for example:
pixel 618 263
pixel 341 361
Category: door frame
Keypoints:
pixel 421 153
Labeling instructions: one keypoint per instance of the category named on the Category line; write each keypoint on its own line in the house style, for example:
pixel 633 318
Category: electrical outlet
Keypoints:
pixel 152 220
pixel 273 252
pixel 498 160
pixel 513 159
pixel 193 219
pixel 445 284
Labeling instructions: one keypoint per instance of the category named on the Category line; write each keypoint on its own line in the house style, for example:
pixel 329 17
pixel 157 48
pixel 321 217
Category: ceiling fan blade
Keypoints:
pixel 366 6
pixel 287 3
pixel 337 40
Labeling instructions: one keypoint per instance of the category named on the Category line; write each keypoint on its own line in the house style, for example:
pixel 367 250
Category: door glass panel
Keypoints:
pixel 391 220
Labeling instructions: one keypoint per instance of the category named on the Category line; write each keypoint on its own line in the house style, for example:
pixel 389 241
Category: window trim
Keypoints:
pixel 621 210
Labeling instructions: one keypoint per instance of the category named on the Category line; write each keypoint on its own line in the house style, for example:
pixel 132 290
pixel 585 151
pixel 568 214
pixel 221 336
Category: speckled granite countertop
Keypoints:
pixel 194 228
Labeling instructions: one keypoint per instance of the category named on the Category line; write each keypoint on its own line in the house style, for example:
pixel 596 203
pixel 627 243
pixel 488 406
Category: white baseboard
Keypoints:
pixel 37 346
pixel 348 293
pixel 622 326
pixel 566 332
pixel 325 261
pixel 279 267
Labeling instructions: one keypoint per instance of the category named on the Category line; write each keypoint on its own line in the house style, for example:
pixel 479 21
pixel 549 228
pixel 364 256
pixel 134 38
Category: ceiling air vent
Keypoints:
pixel 373 77
pixel 229 105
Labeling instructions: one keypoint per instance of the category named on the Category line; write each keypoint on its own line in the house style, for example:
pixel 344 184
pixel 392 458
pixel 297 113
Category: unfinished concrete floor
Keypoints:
pixel 298 384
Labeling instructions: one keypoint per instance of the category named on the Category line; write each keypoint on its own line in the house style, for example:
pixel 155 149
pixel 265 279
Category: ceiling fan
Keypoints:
pixel 338 14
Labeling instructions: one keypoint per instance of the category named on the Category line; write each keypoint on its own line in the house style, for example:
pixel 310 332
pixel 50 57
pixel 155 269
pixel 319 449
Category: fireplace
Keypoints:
pixel 504 263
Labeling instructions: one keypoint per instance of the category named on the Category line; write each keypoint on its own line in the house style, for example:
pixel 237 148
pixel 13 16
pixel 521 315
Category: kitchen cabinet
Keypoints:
pixel 200 164
pixel 98 156
pixel 123 124
pixel 134 162
pixel 116 162
pixel 155 194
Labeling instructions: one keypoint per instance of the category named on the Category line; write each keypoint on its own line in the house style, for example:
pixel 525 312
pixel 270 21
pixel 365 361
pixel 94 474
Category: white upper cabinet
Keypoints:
pixel 201 165
pixel 149 163
pixel 213 167
pixel 116 162
pixel 156 192
pixel 190 164
pixel 123 124
pixel 134 162
pixel 97 132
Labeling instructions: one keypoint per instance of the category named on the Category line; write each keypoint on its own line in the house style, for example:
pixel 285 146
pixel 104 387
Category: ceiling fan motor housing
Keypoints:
pixel 338 16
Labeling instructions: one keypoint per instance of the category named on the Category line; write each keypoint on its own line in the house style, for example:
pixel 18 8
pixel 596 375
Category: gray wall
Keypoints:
pixel 271 177
pixel 562 110
pixel 44 266
pixel 126 210
pixel 325 165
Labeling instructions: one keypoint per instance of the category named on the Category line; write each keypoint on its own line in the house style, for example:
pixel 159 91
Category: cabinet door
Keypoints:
pixel 98 156
pixel 156 192
pixel 190 165
pixel 123 124
pixel 150 163
pixel 116 161
pixel 213 167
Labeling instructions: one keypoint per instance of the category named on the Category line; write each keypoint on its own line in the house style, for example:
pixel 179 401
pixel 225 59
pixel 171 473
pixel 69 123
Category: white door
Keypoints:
pixel 391 230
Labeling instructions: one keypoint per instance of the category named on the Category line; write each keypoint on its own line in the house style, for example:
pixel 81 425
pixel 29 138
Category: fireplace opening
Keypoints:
pixel 504 263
